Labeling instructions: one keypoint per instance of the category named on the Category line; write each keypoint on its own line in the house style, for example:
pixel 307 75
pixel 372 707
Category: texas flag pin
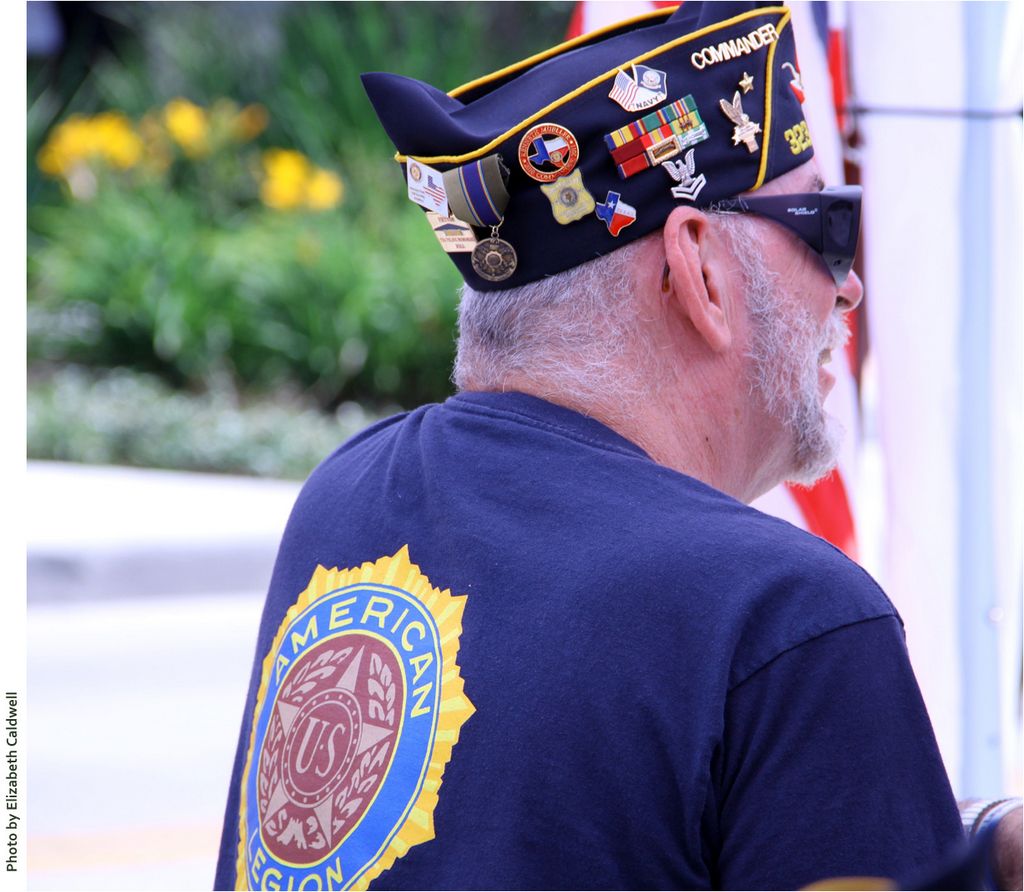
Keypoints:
pixel 616 213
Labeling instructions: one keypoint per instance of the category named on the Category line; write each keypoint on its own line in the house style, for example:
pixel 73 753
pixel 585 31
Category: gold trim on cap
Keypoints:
pixel 568 97
pixel 560 48
pixel 769 66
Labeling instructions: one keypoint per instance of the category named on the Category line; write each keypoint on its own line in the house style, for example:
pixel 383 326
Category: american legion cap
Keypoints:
pixel 578 150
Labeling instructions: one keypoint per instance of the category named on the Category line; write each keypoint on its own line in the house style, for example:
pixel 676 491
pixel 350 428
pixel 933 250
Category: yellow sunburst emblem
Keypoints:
pixel 359 706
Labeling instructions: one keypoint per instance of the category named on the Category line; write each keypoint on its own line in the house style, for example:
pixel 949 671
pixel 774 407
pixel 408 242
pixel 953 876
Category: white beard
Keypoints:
pixel 817 434
pixel 784 373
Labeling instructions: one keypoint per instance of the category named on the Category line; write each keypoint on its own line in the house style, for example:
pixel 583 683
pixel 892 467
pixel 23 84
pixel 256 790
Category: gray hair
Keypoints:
pixel 575 332
pixel 570 331
pixel 577 335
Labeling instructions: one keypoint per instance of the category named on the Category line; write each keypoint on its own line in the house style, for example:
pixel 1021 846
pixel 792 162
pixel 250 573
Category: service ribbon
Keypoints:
pixel 680 121
pixel 476 191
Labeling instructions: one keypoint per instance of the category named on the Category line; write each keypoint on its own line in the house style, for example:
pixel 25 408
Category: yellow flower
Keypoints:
pixel 290 182
pixel 116 140
pixel 284 186
pixel 323 190
pixel 109 136
pixel 250 122
pixel 50 160
pixel 188 125
pixel 69 143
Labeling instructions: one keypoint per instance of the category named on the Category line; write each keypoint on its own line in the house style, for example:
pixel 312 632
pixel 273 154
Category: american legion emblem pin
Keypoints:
pixel 358 709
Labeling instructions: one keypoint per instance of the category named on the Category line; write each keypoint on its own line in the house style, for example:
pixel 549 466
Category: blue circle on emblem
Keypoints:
pixel 343 737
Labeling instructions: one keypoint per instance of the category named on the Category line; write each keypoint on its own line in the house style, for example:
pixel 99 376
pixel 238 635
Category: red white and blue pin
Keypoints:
pixel 426 187
pixel 547 152
pixel 796 83
pixel 615 213
pixel 646 87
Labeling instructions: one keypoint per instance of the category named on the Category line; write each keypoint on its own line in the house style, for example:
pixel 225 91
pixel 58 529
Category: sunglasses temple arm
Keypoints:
pixel 731 205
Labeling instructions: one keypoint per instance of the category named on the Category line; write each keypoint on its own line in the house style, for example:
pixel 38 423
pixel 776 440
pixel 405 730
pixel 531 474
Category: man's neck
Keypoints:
pixel 690 429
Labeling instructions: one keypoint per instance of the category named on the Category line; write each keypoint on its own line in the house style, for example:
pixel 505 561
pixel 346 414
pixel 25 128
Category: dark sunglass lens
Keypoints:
pixel 839 222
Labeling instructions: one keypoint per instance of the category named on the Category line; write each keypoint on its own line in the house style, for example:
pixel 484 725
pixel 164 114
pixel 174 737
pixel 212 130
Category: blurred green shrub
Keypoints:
pixel 184 251
pixel 127 418
pixel 177 246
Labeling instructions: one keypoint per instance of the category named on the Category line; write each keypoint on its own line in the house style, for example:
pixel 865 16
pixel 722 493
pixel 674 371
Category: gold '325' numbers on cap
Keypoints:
pixel 798 137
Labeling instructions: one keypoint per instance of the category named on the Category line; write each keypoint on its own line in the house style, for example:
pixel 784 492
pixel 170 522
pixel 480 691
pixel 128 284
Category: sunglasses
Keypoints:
pixel 828 221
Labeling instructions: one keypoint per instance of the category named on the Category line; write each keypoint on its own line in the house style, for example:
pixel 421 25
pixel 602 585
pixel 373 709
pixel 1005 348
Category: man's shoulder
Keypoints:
pixel 801 588
pixel 690 518
pixel 765 584
pixel 551 486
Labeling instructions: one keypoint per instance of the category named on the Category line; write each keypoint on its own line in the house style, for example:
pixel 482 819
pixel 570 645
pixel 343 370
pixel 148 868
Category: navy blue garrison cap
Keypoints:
pixel 555 160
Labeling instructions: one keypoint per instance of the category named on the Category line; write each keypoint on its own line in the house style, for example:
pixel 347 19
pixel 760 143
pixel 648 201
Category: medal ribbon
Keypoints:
pixel 678 109
pixel 632 157
pixel 476 191
pixel 628 145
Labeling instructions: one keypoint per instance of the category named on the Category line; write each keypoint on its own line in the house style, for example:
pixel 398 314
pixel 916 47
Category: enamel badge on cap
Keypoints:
pixel 547 152
pixel 569 198
pixel 616 214
pixel 454 235
pixel 646 87
pixel 426 187
pixel 796 83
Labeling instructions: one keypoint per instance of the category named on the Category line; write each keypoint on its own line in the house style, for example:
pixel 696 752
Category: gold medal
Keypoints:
pixel 494 259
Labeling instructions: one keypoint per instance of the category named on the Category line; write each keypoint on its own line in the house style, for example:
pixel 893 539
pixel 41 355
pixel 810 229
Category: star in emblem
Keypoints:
pixel 747 82
pixel 366 734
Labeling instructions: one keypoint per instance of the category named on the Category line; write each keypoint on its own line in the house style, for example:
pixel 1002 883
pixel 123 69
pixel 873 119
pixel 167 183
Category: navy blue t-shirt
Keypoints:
pixel 671 689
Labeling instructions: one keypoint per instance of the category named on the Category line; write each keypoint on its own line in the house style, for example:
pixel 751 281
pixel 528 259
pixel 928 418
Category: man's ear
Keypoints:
pixel 694 282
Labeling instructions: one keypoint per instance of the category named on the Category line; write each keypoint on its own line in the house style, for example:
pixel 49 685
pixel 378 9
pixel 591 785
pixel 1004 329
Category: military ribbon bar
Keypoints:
pixel 476 191
pixel 656 137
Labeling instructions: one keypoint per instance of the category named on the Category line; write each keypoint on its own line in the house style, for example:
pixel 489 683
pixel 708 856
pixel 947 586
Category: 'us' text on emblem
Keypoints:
pixel 329 743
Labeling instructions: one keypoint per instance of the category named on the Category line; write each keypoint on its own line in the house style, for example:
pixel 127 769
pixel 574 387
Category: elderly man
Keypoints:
pixel 534 637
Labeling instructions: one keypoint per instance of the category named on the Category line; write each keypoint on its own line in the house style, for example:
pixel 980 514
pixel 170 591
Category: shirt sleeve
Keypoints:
pixel 829 767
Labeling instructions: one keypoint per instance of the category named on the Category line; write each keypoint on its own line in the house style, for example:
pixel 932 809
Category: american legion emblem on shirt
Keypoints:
pixel 359 706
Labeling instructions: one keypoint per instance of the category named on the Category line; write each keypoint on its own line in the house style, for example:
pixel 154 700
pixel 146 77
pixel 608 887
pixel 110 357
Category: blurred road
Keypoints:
pixel 137 673
pixel 133 715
